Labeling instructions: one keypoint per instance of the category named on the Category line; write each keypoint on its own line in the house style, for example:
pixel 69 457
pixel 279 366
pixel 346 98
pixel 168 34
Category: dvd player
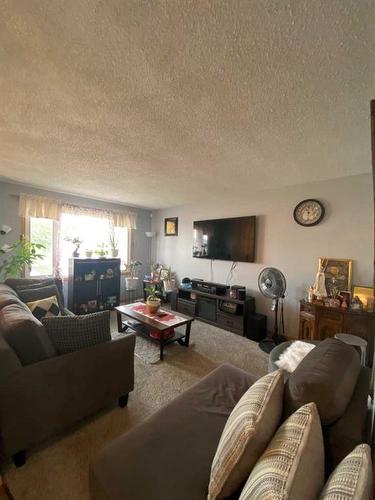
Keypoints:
pixel 209 287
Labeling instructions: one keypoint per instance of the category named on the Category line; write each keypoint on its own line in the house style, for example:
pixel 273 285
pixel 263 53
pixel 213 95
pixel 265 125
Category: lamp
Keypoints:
pixel 5 229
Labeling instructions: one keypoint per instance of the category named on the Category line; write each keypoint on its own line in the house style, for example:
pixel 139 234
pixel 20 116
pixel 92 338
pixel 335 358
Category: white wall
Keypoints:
pixel 345 232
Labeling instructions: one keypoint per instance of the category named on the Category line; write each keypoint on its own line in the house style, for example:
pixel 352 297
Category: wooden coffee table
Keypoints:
pixel 145 323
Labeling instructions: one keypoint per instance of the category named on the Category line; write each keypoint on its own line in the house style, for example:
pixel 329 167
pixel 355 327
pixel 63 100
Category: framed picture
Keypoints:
pixel 171 226
pixel 366 295
pixel 164 273
pixel 338 274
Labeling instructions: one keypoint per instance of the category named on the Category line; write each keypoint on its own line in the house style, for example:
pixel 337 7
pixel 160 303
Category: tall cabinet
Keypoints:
pixel 93 285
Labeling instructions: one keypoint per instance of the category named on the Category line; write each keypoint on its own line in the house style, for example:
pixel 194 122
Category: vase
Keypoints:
pixel 114 252
pixel 76 253
pixel 153 305
pixel 88 254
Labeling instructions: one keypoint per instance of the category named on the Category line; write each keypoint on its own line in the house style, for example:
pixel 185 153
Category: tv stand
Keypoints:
pixel 219 310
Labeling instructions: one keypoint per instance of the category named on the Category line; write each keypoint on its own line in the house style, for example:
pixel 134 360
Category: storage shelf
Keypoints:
pixel 145 332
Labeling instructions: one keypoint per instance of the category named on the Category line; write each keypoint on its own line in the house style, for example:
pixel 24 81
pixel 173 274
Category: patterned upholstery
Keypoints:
pixel 246 434
pixel 352 479
pixel 72 333
pixel 45 307
pixel 292 466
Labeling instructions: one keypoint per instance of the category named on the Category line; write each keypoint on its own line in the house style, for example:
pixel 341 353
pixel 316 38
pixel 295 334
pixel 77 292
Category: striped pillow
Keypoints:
pixel 246 434
pixel 292 466
pixel 352 479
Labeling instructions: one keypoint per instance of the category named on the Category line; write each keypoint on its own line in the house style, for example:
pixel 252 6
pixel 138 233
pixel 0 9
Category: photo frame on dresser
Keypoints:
pixel 338 273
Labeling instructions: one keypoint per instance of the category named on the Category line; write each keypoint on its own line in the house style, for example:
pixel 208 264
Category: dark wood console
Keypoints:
pixel 318 322
pixel 210 308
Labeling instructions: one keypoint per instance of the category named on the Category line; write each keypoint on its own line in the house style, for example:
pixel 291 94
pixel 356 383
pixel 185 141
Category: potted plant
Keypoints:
pixel 77 242
pixel 101 251
pixel 153 302
pixel 131 279
pixel 16 256
pixel 167 279
pixel 88 252
pixel 113 242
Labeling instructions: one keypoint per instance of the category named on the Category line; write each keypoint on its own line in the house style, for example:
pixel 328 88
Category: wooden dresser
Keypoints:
pixel 317 322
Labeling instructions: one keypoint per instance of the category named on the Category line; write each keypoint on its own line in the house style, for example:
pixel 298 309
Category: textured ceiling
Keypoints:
pixel 158 103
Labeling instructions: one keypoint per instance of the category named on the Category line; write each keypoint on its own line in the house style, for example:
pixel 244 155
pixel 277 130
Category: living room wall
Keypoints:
pixel 9 198
pixel 345 232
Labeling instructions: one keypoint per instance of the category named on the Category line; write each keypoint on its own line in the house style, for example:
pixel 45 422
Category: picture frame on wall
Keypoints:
pixel 338 273
pixel 171 226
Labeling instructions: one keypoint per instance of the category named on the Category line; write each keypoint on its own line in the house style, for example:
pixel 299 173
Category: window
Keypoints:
pixel 93 231
pixel 41 231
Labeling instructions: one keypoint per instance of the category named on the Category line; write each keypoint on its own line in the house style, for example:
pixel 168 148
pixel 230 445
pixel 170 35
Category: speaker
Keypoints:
pixel 256 327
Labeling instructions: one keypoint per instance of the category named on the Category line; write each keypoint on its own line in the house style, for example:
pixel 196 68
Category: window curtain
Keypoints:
pixel 49 208
pixel 39 206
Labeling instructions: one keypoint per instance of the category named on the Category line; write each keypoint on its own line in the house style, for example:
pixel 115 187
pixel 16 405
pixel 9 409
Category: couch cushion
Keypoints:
pixel 349 430
pixel 292 466
pixel 25 334
pixel 44 308
pixel 7 296
pixel 72 333
pixel 327 376
pixel 246 434
pixel 43 292
pixel 175 447
pixel 353 477
pixel 25 283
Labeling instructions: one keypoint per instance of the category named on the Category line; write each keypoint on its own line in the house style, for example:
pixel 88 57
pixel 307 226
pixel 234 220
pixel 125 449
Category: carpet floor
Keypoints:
pixel 58 469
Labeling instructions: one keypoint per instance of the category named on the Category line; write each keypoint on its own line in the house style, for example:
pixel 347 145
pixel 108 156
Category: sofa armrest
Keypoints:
pixel 9 361
pixel 45 397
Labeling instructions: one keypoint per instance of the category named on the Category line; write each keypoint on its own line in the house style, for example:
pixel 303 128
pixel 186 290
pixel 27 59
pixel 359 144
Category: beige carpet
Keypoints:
pixel 58 470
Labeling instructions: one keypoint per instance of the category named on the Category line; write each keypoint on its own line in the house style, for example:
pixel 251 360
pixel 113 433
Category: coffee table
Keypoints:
pixel 143 323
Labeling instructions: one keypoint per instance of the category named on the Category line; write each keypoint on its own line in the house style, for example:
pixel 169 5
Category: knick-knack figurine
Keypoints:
pixel 320 290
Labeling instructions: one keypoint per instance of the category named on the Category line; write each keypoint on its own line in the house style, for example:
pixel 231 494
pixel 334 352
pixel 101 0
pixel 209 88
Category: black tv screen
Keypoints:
pixel 225 239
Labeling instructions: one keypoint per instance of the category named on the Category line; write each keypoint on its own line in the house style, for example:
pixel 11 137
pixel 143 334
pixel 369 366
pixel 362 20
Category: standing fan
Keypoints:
pixel 272 285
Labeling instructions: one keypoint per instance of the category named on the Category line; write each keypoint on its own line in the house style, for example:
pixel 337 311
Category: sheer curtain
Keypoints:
pixel 89 224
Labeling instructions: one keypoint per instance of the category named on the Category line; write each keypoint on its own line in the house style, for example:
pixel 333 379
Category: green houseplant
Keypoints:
pixel 101 251
pixel 113 242
pixel 14 258
pixel 153 301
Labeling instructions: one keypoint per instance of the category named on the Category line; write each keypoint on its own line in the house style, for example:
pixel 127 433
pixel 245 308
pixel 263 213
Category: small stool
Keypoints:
pixel 355 342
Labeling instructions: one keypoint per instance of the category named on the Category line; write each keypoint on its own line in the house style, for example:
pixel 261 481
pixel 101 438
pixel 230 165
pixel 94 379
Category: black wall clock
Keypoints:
pixel 309 212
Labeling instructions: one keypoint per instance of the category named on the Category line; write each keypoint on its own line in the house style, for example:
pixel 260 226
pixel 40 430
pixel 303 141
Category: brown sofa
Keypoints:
pixel 169 456
pixel 42 393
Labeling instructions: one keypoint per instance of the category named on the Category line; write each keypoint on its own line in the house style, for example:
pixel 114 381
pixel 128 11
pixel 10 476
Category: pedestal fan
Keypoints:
pixel 272 284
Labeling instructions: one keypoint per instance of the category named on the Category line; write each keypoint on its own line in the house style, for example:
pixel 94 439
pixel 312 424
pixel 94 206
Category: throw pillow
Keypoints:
pixel 246 434
pixel 72 333
pixel 45 307
pixel 327 376
pixel 353 477
pixel 293 355
pixel 25 334
pixel 292 466
pixel 43 292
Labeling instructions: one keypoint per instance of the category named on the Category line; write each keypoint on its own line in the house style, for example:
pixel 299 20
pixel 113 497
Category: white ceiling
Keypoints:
pixel 160 102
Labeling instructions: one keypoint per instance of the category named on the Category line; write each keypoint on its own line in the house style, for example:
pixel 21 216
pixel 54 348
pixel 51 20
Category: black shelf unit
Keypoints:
pixel 209 308
pixel 93 285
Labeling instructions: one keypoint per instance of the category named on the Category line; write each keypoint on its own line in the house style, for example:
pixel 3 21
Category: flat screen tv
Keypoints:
pixel 225 239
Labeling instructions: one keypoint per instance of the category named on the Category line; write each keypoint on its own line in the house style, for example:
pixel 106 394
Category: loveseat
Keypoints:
pixel 169 456
pixel 41 392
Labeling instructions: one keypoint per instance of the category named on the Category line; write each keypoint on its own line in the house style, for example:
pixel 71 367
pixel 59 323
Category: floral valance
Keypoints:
pixel 49 208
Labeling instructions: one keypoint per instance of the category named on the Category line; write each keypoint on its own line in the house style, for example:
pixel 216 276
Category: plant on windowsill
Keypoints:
pixel 77 242
pixel 131 279
pixel 88 253
pixel 113 242
pixel 153 301
pixel 101 251
pixel 14 258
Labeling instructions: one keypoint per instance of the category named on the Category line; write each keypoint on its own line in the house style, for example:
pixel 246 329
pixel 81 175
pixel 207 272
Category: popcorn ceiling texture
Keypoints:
pixel 160 102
